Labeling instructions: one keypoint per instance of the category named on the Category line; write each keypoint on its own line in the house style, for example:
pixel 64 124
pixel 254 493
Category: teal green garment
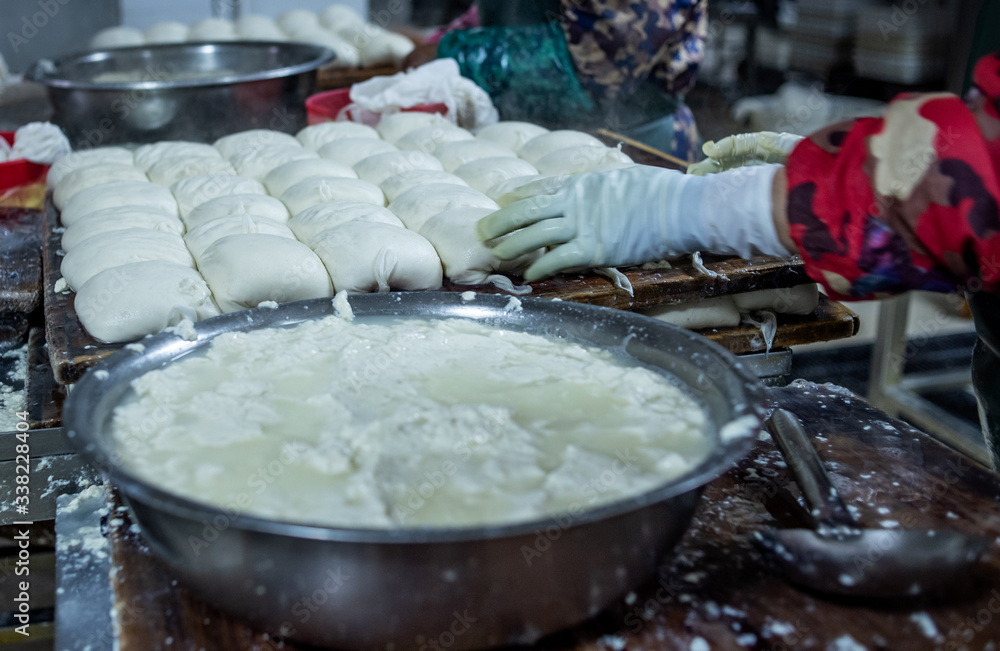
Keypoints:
pixel 529 74
pixel 527 70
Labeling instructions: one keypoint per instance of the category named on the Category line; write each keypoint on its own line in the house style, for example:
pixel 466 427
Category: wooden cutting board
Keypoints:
pixel 715 587
pixel 73 351
pixel 331 77
pixel 45 395
pixel 20 259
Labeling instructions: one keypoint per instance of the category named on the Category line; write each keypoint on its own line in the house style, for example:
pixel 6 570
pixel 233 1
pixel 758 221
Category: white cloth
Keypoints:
pixel 439 81
pixel 40 142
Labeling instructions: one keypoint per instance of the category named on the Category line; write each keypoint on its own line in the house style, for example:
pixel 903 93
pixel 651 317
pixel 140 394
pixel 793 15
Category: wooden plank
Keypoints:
pixel 20 259
pixel 831 320
pixel 655 287
pixel 638 155
pixel 45 395
pixel 714 587
pixel 331 77
pixel 13 328
pixel 72 351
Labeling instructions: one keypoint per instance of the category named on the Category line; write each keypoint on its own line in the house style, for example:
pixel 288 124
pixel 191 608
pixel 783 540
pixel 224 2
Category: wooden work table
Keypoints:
pixel 73 350
pixel 714 591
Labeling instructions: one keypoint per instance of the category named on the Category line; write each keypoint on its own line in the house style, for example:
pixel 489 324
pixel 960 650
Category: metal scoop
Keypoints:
pixel 838 557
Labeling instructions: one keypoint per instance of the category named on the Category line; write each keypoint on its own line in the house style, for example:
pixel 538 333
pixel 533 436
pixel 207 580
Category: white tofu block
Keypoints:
pixel 133 300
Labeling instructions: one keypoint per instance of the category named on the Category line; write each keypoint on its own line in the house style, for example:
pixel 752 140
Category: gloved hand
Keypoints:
pixel 744 149
pixel 635 215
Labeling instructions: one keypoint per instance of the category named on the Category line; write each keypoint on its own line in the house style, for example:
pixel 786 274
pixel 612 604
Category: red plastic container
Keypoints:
pixel 20 172
pixel 326 106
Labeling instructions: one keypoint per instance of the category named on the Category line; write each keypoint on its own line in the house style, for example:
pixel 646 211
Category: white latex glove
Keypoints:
pixel 745 149
pixel 637 214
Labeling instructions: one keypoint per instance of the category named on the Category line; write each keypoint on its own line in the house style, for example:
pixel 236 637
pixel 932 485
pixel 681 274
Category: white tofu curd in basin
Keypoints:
pixel 406 422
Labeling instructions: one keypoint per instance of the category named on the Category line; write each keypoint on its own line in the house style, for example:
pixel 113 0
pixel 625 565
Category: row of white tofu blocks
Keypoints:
pixel 338 27
pixel 265 216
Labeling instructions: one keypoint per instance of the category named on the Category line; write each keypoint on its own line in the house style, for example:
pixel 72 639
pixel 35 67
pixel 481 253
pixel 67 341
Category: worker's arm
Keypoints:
pixel 639 214
pixel 880 206
pixel 875 206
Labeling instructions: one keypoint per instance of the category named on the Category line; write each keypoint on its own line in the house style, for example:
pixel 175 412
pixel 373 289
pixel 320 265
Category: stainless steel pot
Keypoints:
pixel 459 587
pixel 184 91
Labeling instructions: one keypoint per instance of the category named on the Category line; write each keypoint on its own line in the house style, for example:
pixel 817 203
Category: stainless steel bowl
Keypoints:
pixel 184 91
pixel 464 588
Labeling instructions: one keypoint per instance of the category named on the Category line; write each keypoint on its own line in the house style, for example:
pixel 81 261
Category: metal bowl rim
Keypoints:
pixel 321 56
pixel 720 458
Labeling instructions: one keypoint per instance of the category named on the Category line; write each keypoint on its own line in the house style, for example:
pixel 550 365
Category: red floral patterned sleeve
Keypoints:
pixel 879 206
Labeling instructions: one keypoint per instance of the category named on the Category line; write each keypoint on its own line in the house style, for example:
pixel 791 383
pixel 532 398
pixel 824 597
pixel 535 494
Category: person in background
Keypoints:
pixel 875 207
pixel 620 64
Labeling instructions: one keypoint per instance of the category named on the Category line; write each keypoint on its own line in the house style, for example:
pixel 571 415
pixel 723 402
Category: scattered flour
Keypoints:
pixel 774 628
pixel 699 644
pixel 12 393
pixel 926 624
pixel 846 643
pixel 613 642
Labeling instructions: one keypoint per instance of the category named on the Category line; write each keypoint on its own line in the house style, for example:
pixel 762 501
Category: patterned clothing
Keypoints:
pixel 911 201
pixel 878 206
pixel 623 64
pixel 617 45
